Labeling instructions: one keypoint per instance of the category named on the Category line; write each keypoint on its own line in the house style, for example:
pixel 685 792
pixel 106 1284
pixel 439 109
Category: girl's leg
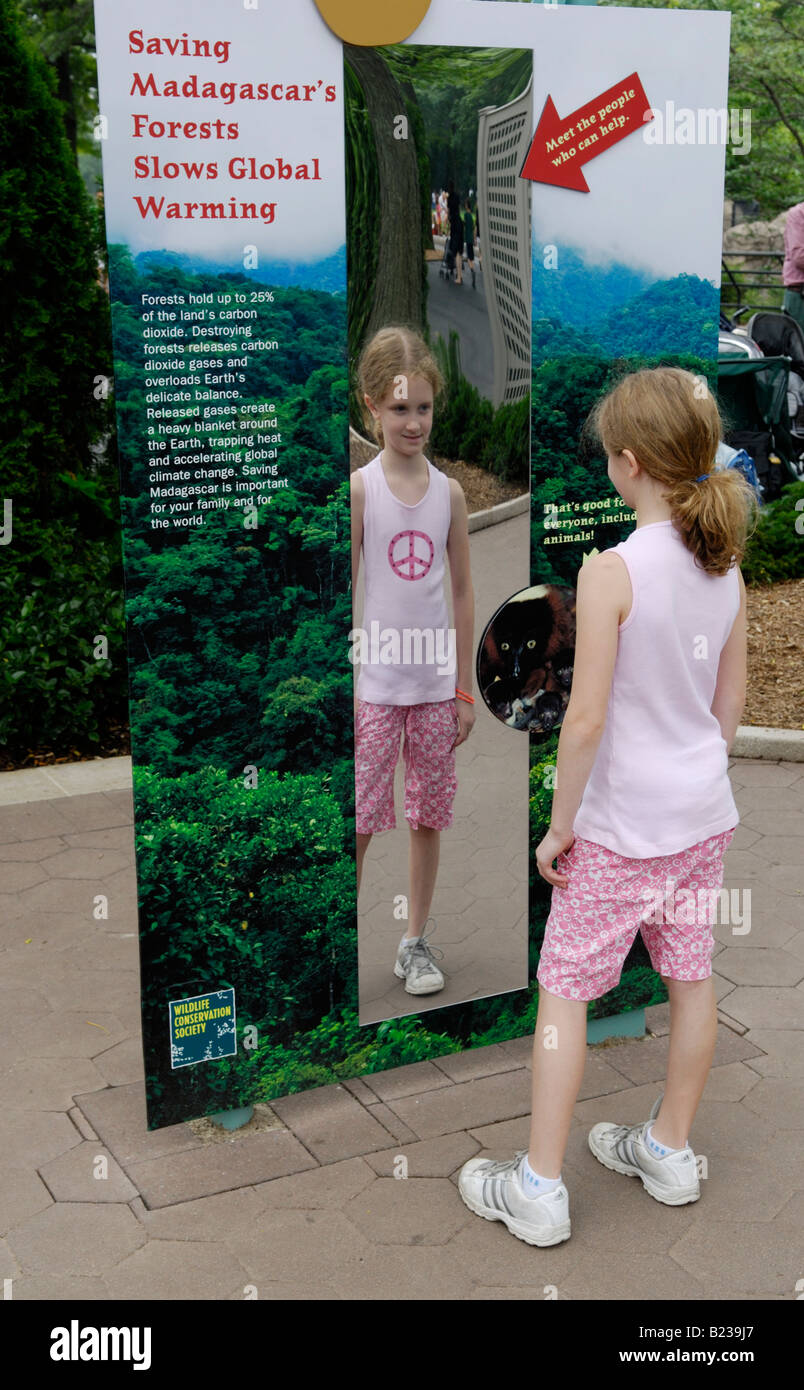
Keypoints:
pixel 559 1055
pixel 362 846
pixel 425 846
pixel 693 1032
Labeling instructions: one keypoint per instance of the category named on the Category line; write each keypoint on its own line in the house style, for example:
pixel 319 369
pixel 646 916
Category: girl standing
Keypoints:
pixel 643 808
pixel 408 518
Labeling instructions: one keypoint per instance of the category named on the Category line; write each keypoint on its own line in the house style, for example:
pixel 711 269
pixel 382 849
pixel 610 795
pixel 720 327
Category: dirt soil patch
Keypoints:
pixel 775 636
pixel 480 488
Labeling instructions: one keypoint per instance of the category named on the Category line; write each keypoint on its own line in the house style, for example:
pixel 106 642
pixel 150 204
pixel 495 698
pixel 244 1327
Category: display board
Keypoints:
pixel 274 197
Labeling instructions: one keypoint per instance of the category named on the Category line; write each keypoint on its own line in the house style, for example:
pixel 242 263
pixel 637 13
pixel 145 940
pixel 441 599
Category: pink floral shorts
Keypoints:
pixel 672 899
pixel 430 783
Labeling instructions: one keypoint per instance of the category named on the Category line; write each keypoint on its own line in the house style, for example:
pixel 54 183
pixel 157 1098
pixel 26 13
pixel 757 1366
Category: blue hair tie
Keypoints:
pixel 702 476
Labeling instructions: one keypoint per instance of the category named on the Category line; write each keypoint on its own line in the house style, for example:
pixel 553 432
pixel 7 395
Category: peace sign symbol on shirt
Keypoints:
pixel 410 560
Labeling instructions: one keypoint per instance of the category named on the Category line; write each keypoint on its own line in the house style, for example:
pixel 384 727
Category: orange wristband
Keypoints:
pixel 461 695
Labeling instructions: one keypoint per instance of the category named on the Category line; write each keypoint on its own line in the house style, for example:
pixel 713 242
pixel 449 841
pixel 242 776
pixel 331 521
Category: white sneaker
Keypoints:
pixel 416 966
pixel 494 1191
pixel 626 1149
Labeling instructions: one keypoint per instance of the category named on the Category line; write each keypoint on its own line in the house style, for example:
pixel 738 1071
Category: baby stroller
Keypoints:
pixel 761 389
pixel 446 270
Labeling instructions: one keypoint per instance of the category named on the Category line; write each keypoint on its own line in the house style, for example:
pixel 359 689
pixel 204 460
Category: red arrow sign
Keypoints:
pixel 561 146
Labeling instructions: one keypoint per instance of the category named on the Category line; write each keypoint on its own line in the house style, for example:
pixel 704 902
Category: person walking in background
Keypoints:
pixel 442 212
pixel 469 238
pixel 455 229
pixel 407 519
pixel 643 809
pixel 793 267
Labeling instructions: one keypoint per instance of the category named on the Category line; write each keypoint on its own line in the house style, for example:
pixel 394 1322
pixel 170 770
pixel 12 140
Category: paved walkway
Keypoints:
pixel 462 309
pixel 305 1202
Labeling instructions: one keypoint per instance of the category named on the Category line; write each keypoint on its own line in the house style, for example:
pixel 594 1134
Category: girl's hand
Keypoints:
pixel 550 847
pixel 466 719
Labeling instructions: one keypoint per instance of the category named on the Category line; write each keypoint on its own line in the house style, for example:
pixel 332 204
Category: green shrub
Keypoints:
pixel 639 987
pixel 52 687
pixel 467 426
pixel 507 449
pixel 774 550
pixel 334 1050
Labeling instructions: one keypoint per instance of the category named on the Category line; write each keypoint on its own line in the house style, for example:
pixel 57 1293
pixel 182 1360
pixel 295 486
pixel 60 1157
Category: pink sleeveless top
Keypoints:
pixel 659 783
pixel 409 656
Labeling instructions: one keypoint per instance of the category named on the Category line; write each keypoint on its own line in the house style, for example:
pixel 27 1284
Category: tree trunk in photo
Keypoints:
pixel 397 297
pixel 65 87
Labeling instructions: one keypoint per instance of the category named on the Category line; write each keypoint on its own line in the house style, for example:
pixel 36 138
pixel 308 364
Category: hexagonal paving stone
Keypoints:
pixel 779 849
pixel 118 1116
pixel 76 1238
pixel 412 1211
pixel 48 1083
pixel 394 1273
pixel 465 1106
pixel 785 1053
pixel 488 1253
pixel 759 772
pixel 59 1288
pixel 16 877
pixel 299 1245
pixel 749 966
pixel 773 918
pixel 65 1034
pixel 787 879
pixel 73 990
pixel 60 895
pixel 30 850
pixel 770 800
pixel 626 1277
pixel 96 864
pixel 729 1129
pixel 31 1137
pixel 123 1064
pixel 768 1006
pixel 745 837
pixel 121 838
pixel 429 1158
pixel 494 887
pixel 206 1219
pixel 743 864
pixel 742 1257
pixel 22 1194
pixel 406 1080
pixel 72 1176
pixel 779 1102
pixel 167 1269
pixel 757 820
pixel 9 1268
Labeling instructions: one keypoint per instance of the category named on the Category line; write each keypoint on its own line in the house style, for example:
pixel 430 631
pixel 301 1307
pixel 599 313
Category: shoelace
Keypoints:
pixel 504 1165
pixel 620 1131
pixel 423 948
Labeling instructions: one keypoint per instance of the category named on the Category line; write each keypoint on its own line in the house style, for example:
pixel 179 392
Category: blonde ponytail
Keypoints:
pixel 669 420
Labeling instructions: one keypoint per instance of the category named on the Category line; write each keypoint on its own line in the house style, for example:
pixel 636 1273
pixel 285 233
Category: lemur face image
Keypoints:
pixel 525 660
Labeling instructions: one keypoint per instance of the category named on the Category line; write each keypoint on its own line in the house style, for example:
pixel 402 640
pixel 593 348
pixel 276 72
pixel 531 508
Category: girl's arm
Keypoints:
pixel 357 497
pixel 463 604
pixel 732 674
pixel 603 596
